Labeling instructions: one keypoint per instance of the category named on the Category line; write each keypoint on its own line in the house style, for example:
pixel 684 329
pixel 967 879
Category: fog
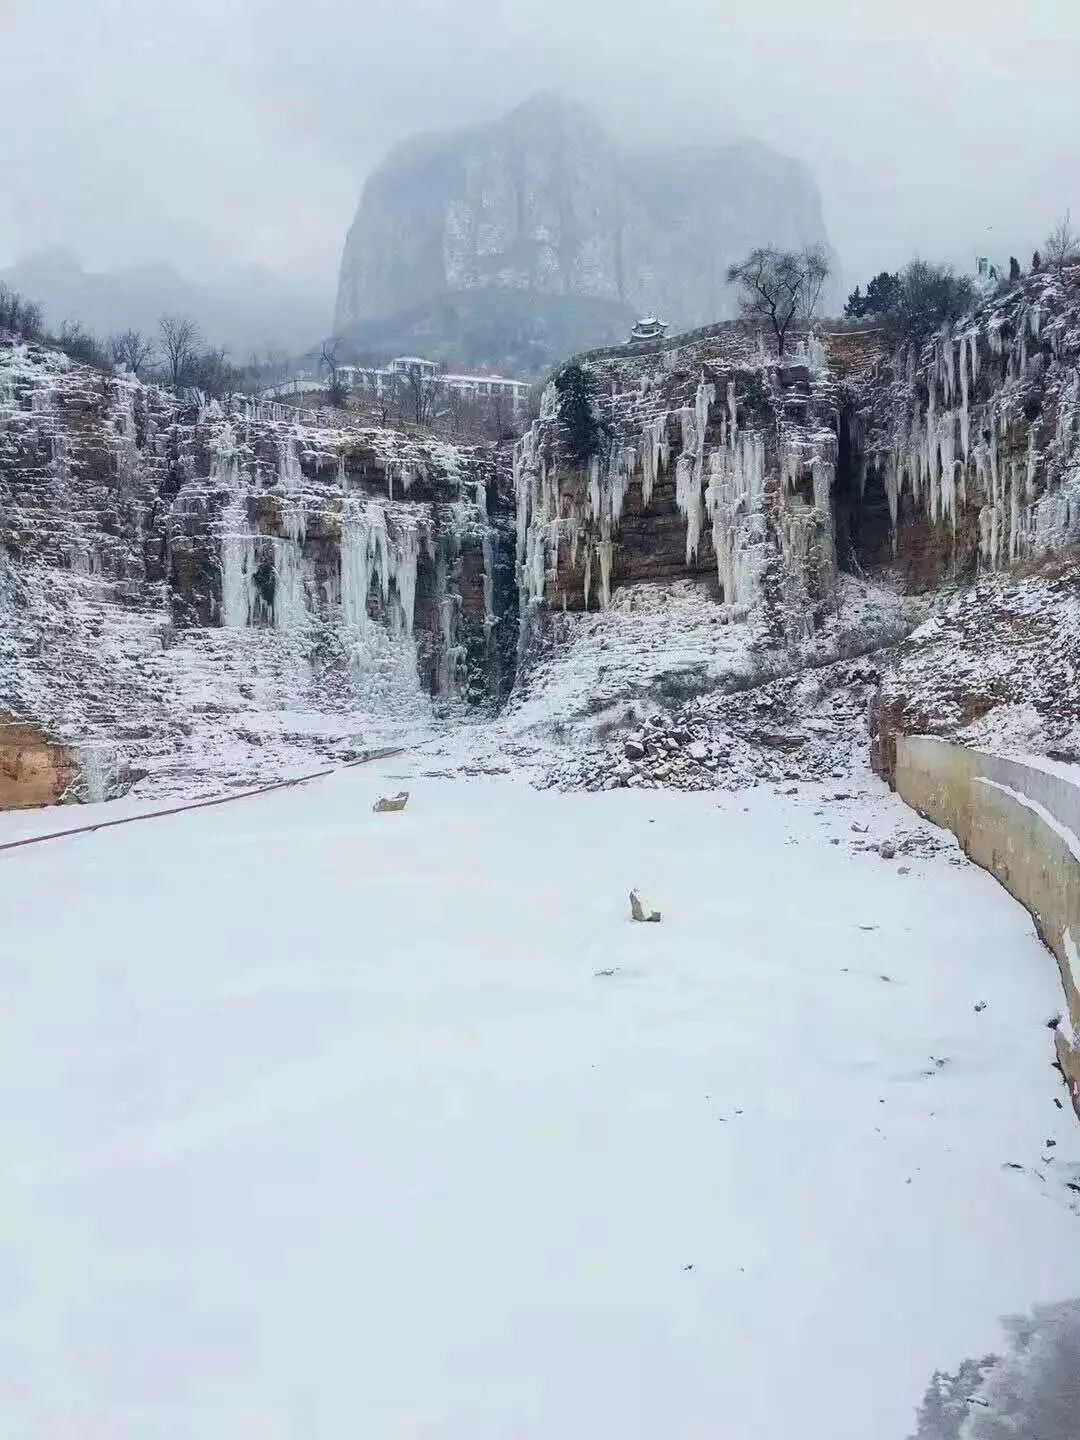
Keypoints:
pixel 221 132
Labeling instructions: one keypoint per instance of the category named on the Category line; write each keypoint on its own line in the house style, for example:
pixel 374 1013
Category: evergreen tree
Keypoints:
pixel 881 297
pixel 855 308
pixel 580 432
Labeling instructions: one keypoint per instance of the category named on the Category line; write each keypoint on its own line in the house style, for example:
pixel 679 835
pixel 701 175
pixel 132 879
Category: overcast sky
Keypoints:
pixel 211 132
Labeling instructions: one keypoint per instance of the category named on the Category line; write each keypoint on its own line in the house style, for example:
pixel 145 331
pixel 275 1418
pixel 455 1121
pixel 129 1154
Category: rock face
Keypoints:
pixel 172 573
pixel 505 224
pixel 970 449
pixel 966 457
pixel 721 468
pixel 996 665
pixel 33 769
pixel 784 492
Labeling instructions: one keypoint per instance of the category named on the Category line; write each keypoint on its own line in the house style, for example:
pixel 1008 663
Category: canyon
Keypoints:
pixel 201 592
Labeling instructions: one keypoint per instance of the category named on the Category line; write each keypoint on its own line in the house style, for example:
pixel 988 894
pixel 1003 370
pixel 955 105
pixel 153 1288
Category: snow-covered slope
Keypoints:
pixel 415 1133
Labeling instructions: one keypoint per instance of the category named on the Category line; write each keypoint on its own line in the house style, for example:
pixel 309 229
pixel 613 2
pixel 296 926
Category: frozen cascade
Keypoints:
pixel 605 554
pixel 290 475
pixel 379 558
pixel 290 604
pixel 688 468
pixel 238 563
pixel 372 556
pixel 816 354
pixel 405 555
pixel 734 499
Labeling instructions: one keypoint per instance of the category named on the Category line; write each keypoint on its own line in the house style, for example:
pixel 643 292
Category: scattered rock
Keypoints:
pixel 887 851
pixel 390 804
pixel 638 911
pixel 980 1007
pixel 634 750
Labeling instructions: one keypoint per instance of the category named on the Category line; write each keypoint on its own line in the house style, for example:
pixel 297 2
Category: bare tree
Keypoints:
pixel 22 317
pixel 420 392
pixel 330 364
pixel 180 342
pixel 1063 243
pixel 81 345
pixel 133 350
pixel 210 371
pixel 780 286
pixel 817 273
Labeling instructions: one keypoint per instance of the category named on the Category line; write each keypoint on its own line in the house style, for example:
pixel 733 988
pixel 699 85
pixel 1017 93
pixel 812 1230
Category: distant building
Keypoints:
pixel 383 380
pixel 650 328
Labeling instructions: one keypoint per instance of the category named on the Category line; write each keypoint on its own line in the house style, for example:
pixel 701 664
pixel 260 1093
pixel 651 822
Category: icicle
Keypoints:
pixel 653 444
pixel 688 499
pixel 946 446
pixel 594 489
pixel 355 569
pixel 734 499
pixel 405 557
pixel 965 402
pixel 688 469
pixel 604 551
pixel 488 550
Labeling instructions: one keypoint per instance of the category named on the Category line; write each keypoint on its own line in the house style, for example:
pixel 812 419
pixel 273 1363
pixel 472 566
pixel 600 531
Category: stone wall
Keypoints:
pixel 1020 821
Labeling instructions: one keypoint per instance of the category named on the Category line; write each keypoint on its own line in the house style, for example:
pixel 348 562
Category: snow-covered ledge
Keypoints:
pixel 1019 819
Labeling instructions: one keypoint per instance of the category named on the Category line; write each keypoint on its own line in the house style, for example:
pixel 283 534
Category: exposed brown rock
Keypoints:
pixel 34 770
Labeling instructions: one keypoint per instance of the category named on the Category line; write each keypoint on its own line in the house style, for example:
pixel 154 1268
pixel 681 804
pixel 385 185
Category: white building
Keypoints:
pixel 384 380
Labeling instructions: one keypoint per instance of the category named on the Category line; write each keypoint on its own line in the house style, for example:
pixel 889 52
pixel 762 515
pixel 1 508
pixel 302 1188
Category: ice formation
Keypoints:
pixel 375 555
pixel 992 421
pixel 568 523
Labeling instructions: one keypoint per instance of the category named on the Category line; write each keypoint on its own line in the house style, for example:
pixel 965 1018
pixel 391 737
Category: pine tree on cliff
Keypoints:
pixel 580 432
pixel 881 295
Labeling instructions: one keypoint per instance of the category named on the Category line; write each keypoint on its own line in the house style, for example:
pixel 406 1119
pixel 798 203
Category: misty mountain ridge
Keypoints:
pixel 245 309
pixel 574 234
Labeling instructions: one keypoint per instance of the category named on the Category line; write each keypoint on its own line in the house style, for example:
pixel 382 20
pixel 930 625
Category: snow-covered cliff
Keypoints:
pixel 229 590
pixel 974 442
pixel 720 468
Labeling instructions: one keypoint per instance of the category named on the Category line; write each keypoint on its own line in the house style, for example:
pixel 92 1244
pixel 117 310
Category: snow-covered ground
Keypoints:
pixel 324 1123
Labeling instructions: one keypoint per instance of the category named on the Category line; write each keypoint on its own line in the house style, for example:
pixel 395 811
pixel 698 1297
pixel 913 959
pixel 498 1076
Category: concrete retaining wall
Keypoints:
pixel 1022 823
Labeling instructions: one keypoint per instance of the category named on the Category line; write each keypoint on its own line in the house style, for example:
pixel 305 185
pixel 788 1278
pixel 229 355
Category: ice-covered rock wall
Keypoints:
pixel 718 465
pixel 974 443
pixel 160 560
